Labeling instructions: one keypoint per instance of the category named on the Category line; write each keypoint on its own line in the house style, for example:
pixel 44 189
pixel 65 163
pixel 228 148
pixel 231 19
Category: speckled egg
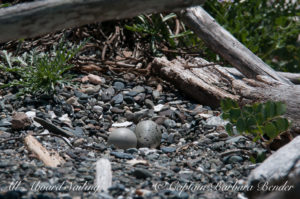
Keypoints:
pixel 122 138
pixel 148 134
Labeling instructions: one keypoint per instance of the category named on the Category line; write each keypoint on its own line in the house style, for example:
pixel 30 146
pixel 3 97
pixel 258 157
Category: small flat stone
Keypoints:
pixel 129 100
pixel 168 149
pixel 95 79
pixel 169 123
pixel 155 94
pixel 212 135
pixel 132 150
pixel 132 93
pixel 129 115
pixel 139 89
pixel 4 123
pixel 216 121
pixel 20 121
pixel 97 109
pixel 116 110
pixel 81 95
pixel 141 173
pixel 4 164
pixel 4 134
pixel 100 146
pixel 235 158
pixel 107 94
pixel 140 97
pixel 149 104
pixel 91 89
pixel 118 99
pixel 53 128
pixel 119 85
pixel 122 155
pixel 236 139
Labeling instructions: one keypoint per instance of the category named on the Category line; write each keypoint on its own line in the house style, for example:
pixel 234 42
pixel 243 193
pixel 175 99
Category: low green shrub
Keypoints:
pixel 259 119
pixel 39 73
pixel 158 29
pixel 268 28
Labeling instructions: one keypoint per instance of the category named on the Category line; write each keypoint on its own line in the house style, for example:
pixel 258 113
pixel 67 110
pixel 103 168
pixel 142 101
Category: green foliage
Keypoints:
pixel 268 28
pixel 257 119
pixel 158 29
pixel 40 73
pixel 5 5
pixel 258 156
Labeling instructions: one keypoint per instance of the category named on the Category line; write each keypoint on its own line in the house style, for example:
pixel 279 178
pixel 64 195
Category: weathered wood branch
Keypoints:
pixel 282 169
pixel 51 159
pixel 293 77
pixel 41 17
pixel 208 85
pixel 223 43
pixel 103 179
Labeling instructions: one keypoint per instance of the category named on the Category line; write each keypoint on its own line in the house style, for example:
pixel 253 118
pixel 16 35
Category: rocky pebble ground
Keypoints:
pixel 195 159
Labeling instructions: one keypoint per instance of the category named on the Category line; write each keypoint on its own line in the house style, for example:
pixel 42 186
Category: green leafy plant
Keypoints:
pixel 268 28
pixel 259 155
pixel 5 5
pixel 258 119
pixel 40 73
pixel 158 29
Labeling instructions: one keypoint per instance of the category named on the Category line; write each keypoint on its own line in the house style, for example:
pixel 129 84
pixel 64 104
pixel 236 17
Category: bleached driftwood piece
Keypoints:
pixel 208 85
pixel 103 175
pixel 280 170
pixel 51 159
pixel 41 17
pixel 293 77
pixel 224 44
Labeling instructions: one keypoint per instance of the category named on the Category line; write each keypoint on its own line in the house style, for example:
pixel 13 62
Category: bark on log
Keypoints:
pixel 41 17
pixel 224 44
pixel 208 85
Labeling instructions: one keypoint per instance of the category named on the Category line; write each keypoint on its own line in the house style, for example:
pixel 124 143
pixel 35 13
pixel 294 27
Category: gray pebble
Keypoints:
pixel 139 89
pixel 169 123
pixel 141 173
pixel 119 85
pixel 168 149
pixel 122 155
pixel 118 99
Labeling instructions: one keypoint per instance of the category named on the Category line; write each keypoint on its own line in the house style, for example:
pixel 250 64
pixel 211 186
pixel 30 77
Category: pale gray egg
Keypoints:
pixel 122 138
pixel 148 134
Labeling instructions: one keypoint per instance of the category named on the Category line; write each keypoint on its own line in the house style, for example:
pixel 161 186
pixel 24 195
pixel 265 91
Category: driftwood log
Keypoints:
pixel 279 174
pixel 49 158
pixel 208 85
pixel 224 44
pixel 41 17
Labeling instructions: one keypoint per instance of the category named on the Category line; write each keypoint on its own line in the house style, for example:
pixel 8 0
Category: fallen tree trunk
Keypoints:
pixel 224 44
pixel 208 85
pixel 41 17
